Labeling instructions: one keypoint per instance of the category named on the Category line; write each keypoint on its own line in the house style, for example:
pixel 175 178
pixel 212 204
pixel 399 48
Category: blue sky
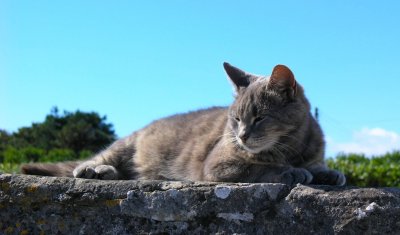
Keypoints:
pixel 137 61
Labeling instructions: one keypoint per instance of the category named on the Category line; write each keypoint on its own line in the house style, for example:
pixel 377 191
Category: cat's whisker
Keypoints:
pixel 229 140
pixel 229 134
pixel 296 140
pixel 287 148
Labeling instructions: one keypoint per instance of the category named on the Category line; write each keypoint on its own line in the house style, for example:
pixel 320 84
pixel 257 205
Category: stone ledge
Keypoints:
pixel 51 205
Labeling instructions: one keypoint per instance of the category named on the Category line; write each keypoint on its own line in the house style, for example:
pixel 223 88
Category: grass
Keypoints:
pixel 12 168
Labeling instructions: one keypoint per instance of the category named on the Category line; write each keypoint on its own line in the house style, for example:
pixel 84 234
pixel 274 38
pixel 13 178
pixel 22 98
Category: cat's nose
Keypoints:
pixel 244 136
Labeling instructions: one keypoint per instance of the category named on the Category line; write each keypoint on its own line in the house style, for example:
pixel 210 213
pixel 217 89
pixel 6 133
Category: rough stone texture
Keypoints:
pixel 50 205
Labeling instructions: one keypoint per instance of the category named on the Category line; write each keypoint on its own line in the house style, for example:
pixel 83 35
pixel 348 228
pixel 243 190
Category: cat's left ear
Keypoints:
pixel 283 81
pixel 239 78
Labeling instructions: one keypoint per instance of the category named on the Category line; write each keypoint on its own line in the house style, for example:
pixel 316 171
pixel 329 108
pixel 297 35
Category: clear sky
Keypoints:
pixel 137 61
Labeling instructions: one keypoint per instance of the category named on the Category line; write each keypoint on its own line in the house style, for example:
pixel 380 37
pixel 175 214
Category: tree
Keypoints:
pixel 84 131
pixel 77 131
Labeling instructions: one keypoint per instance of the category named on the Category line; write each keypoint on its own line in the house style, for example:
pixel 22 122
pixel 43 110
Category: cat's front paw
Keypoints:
pixel 92 171
pixel 295 176
pixel 329 177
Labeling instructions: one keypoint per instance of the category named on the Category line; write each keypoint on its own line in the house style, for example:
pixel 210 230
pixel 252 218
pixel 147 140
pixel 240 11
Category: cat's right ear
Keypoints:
pixel 283 81
pixel 239 78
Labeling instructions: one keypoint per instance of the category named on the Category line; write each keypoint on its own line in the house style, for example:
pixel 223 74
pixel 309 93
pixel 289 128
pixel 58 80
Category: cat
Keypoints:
pixel 267 135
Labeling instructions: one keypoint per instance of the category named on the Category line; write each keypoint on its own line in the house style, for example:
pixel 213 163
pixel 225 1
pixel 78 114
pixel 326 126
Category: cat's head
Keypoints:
pixel 265 108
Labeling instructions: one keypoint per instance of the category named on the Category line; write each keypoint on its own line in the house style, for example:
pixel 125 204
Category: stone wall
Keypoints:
pixel 51 205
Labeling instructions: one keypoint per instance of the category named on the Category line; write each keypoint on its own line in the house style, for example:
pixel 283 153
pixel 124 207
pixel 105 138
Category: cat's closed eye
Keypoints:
pixel 258 119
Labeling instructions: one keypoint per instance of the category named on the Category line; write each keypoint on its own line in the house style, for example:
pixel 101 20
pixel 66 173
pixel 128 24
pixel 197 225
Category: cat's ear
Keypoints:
pixel 283 81
pixel 239 78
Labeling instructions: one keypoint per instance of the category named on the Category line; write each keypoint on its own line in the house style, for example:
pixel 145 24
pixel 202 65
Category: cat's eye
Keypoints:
pixel 237 119
pixel 258 119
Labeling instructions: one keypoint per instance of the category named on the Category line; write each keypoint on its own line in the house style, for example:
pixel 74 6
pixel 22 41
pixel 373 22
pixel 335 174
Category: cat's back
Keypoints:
pixel 188 123
pixel 198 115
pixel 166 146
pixel 182 128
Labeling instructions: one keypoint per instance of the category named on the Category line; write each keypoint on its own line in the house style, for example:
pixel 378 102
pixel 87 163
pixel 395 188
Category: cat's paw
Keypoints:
pixel 329 177
pixel 91 171
pixel 295 176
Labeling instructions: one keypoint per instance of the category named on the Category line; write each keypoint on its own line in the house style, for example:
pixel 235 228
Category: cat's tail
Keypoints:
pixel 50 169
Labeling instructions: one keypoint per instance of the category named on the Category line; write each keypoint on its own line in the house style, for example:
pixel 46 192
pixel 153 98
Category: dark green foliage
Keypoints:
pixel 84 154
pixel 4 141
pixel 59 138
pixel 77 131
pixel 58 155
pixel 382 171
pixel 15 156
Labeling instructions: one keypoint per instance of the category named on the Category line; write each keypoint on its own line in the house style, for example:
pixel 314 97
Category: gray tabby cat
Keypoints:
pixel 266 135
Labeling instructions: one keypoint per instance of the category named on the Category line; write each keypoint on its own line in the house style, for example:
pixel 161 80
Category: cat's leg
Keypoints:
pixel 284 174
pixel 235 170
pixel 323 175
pixel 115 162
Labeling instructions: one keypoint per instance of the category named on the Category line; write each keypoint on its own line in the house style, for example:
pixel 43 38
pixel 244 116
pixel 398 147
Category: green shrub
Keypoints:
pixel 18 156
pixel 14 156
pixel 32 154
pixel 84 154
pixel 9 168
pixel 58 155
pixel 377 171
